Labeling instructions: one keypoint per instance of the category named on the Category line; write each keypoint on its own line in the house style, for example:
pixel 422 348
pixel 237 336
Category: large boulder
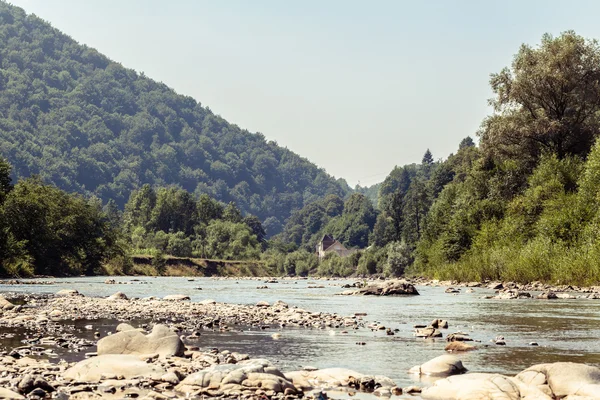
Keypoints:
pixel 388 288
pixel 255 373
pixel 480 386
pixel 440 366
pixel 564 378
pixel 336 377
pixel 5 304
pixel 161 341
pixel 125 366
pixel 428 332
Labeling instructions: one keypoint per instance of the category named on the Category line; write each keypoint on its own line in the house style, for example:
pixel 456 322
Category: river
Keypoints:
pixel 566 330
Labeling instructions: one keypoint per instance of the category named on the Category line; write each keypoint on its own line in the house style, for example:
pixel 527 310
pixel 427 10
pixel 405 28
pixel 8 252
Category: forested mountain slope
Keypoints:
pixel 87 124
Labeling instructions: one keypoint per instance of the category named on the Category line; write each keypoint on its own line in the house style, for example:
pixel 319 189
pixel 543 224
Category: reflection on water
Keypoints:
pixel 566 330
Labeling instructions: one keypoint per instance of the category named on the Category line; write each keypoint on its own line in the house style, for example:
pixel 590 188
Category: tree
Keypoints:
pixel 175 211
pixel 466 142
pixel 5 180
pixel 415 209
pixel 63 234
pixel 427 158
pixel 231 241
pixel 138 210
pixel 257 229
pixel 208 209
pixel 399 257
pixel 355 224
pixel 547 101
pixel 333 205
pixel 231 213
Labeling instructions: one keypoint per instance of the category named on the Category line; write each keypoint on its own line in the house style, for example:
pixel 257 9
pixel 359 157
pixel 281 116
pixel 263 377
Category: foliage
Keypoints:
pixel 231 241
pixel 305 226
pixel 334 265
pixel 399 257
pixel 354 226
pixel 45 231
pixel 370 192
pixel 547 101
pixel 172 221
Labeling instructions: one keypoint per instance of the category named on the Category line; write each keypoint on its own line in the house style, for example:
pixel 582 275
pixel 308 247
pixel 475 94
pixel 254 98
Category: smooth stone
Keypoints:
pixel 9 394
pixel 176 297
pixel 440 366
pixel 5 304
pixel 118 296
pixel 388 288
pixel 124 365
pixel 481 386
pixel 122 327
pixel 564 378
pixel 161 341
pixel 459 346
pixel 333 377
pixel 68 292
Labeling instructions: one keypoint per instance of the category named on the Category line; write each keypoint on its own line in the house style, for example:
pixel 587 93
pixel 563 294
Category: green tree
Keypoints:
pixel 466 142
pixel 427 158
pixel 232 214
pixel 63 234
pixel 257 229
pixel 547 101
pixel 231 241
pixel 175 210
pixel 138 210
pixel 209 209
pixel 5 180
pixel 399 257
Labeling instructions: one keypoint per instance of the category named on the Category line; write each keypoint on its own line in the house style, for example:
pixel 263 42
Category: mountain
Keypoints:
pixel 87 124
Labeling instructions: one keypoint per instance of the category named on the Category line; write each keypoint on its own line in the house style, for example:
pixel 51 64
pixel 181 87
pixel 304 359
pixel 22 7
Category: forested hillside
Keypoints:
pixel 89 125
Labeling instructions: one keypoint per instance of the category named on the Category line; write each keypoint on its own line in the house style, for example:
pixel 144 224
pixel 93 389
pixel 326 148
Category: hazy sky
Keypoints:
pixel 356 87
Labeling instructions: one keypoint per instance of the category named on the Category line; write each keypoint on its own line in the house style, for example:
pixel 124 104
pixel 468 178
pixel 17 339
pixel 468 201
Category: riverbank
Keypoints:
pixel 145 265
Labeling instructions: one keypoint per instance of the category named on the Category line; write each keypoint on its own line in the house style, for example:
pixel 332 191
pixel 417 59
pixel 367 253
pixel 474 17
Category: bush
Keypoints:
pixel 179 245
pixel 300 263
pixel 399 257
pixel 334 265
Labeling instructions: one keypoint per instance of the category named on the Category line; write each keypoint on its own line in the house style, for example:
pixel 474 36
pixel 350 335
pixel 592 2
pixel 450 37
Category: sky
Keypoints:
pixel 357 87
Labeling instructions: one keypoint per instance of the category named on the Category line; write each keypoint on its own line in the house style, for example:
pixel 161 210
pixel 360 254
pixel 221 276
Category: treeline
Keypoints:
pixel 523 205
pixel 171 221
pixel 528 207
pixel 46 231
pixel 86 124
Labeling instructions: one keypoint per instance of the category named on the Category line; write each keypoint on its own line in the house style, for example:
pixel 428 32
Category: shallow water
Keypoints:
pixel 566 330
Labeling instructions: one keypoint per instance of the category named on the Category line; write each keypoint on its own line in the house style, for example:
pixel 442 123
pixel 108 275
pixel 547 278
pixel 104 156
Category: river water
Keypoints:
pixel 566 330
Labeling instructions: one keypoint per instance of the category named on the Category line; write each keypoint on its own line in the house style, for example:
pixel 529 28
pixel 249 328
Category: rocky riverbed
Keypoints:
pixel 160 363
pixel 153 361
pixel 43 329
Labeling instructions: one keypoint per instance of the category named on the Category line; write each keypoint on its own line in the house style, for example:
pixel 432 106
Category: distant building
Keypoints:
pixel 328 245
